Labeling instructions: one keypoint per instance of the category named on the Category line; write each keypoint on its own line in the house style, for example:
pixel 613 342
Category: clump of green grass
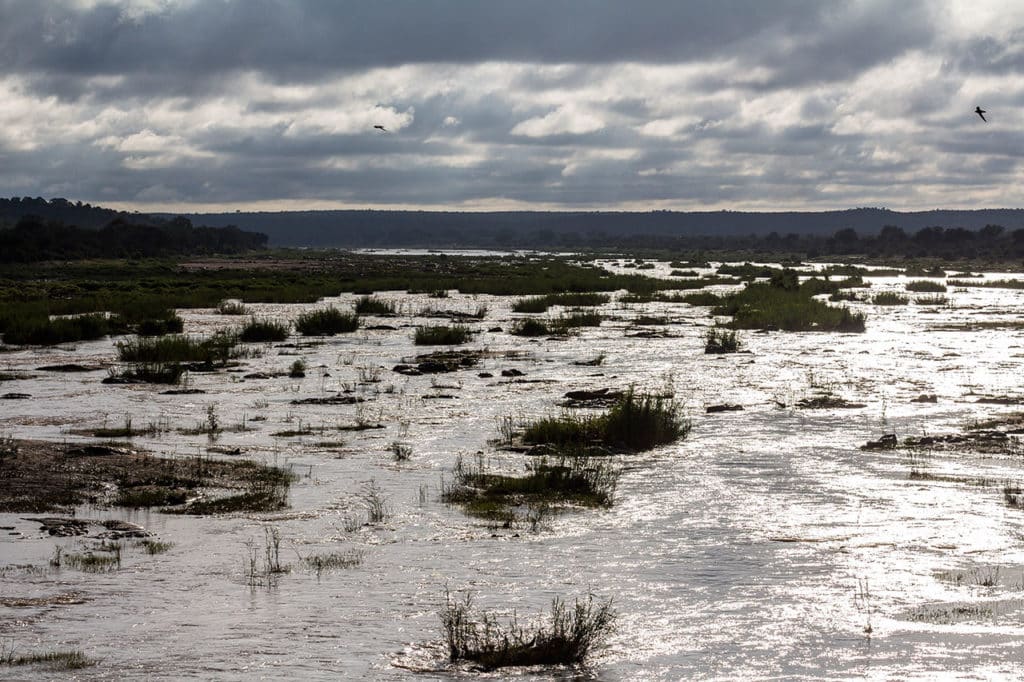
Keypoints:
pixel 635 422
pixel 59 660
pixel 937 299
pixel 218 349
pixel 889 298
pixel 533 304
pixel 230 307
pixel 577 318
pixel 333 561
pixel 92 563
pixel 154 547
pixel 371 305
pixel 782 305
pixel 567 638
pixel 146 497
pixel 44 331
pixel 925 286
pixel 533 327
pixel 167 323
pixel 718 341
pixel 326 322
pixel 148 373
pixel 263 331
pixel 442 335
pixel 578 299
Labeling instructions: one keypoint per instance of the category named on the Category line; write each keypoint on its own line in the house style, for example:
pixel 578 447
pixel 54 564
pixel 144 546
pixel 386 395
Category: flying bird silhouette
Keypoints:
pixel 381 128
pixel 980 112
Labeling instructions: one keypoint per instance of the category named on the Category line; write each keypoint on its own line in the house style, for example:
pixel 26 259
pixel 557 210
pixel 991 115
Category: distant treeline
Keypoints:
pixel 991 242
pixel 547 229
pixel 35 239
pixel 67 212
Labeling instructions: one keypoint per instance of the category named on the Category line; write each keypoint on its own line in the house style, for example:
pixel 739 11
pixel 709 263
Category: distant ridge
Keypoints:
pixel 367 228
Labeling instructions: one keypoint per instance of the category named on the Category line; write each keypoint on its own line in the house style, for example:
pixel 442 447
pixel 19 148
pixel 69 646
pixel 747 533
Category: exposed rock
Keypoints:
pixel 886 442
pixel 70 367
pixel 724 407
pixel 926 398
pixel 601 397
pixel 15 396
pixel 330 400
pixel 512 373
pixel 485 375
pixel 183 391
pixel 827 402
pixel 98 451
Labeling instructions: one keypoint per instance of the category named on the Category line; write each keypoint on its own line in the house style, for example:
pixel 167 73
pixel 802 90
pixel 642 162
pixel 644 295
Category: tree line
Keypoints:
pixel 36 239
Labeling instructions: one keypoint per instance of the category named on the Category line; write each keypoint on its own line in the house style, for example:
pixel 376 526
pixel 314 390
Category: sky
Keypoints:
pixel 209 105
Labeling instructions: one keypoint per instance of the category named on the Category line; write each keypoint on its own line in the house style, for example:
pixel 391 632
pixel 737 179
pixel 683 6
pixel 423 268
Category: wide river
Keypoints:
pixel 766 545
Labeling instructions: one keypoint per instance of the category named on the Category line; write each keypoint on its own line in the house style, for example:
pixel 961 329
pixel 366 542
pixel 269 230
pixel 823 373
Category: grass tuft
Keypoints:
pixel 568 637
pixel 442 335
pixel 326 322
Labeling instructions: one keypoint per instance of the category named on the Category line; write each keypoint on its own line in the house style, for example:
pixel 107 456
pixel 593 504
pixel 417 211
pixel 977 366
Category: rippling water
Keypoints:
pixel 763 546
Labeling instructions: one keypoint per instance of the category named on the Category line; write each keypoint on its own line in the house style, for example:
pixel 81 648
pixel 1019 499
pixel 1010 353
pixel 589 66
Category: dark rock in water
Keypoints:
pixel 926 398
pixel 62 527
pixel 70 367
pixel 826 402
pixel 15 396
pixel 183 391
pixel 98 451
pixel 433 367
pixel 512 373
pixel 407 370
pixel 265 375
pixel 886 442
pixel 330 400
pixel 976 439
pixel 440 396
pixel 117 530
pixel 1000 400
pixel 485 375
pixel 601 397
pixel 119 380
pixel 495 329
pixel 596 362
pixel 381 328
pixel 725 407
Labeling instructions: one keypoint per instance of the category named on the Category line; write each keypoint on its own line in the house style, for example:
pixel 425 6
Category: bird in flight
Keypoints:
pixel 381 128
pixel 980 112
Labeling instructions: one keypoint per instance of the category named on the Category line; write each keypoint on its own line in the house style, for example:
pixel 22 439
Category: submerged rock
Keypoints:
pixel 886 442
pixel 330 400
pixel 15 396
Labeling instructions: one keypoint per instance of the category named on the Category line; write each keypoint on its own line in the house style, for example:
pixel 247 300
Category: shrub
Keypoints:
pixel 719 341
pixel 256 331
pixel 577 319
pixel 531 326
pixel 297 370
pixel 442 335
pixel 229 307
pixel 326 322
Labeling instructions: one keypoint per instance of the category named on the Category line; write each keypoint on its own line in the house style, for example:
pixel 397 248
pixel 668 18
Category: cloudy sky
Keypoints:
pixel 547 104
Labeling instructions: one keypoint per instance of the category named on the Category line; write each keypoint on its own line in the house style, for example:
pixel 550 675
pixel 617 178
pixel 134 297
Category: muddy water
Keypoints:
pixel 762 546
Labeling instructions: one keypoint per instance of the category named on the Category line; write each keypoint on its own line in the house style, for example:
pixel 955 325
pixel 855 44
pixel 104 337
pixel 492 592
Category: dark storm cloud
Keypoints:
pixel 557 103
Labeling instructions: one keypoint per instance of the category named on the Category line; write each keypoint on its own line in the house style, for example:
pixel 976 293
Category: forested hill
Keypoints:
pixel 36 230
pixel 63 211
pixel 440 228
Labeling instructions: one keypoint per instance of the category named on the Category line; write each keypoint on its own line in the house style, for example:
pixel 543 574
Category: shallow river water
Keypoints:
pixel 766 545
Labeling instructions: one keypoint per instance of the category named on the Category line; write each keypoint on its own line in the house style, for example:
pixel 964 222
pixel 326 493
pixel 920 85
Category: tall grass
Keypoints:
pixel 218 348
pixel 326 322
pixel 263 330
pixel 718 341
